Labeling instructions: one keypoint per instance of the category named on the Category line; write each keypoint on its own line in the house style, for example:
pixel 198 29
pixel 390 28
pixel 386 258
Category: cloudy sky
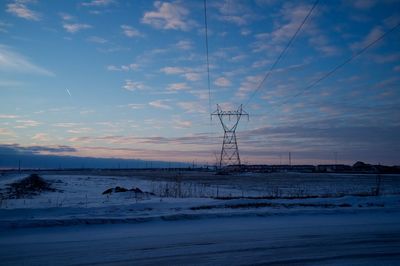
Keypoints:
pixel 128 79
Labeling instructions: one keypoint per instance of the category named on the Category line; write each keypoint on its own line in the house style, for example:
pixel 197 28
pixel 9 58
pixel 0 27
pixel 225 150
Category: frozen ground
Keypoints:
pixel 200 218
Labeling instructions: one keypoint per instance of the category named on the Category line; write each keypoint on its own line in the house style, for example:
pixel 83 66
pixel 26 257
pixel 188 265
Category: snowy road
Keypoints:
pixel 331 239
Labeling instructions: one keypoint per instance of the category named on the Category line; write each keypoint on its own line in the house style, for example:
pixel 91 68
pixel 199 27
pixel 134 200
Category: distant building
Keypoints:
pixel 331 168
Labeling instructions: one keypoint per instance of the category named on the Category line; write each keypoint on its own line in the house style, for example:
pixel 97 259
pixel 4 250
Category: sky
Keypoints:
pixel 128 79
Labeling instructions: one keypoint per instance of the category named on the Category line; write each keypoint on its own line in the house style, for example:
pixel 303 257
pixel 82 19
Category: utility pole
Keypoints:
pixel 229 152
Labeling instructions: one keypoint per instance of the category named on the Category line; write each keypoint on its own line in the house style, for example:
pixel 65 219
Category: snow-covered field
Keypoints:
pixel 175 218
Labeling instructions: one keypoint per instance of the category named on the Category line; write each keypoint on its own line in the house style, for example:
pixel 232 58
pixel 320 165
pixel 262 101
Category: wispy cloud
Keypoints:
pixel 130 31
pixel 133 106
pixel 177 86
pixel 178 123
pixel 160 104
pixel 70 24
pixel 169 16
pixel 286 23
pixel 184 45
pixel 27 123
pixel 8 116
pixel 193 107
pixel 235 12
pixel 79 130
pixel 374 34
pixel 173 70
pixel 20 9
pixel 66 16
pixel 6 132
pixel 222 82
pixel 11 61
pixel 191 76
pixel 188 73
pixel 133 86
pixel 364 4
pixel 43 137
pixel 248 85
pixel 123 67
pixel 96 39
pixel 66 125
pixel 261 63
pixel 386 58
pixel 98 3
pixel 4 26
pixel 75 27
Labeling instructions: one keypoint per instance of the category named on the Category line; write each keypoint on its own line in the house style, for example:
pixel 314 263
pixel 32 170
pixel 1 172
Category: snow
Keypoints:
pixel 214 218
pixel 350 239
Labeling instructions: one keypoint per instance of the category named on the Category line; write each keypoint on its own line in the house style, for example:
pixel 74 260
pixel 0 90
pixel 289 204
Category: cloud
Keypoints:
pixel 65 16
pixel 286 23
pixel 79 130
pixel 133 86
pixel 20 9
pixel 200 94
pixel 54 157
pixel 237 58
pixel 6 132
pixel 27 123
pixel 173 70
pixel 188 73
pixel 41 137
pixel 321 43
pixel 96 39
pixel 4 26
pixel 192 76
pixel 248 85
pixel 177 86
pixel 8 116
pixel 235 12
pixel 386 58
pixel 193 107
pixel 75 27
pixel 341 135
pixel 130 31
pixel 66 125
pixel 184 45
pixel 374 34
pixel 364 4
pixel 160 104
pixel 17 149
pixel 11 61
pixel 182 123
pixel 245 32
pixel 222 82
pixel 261 63
pixel 98 3
pixel 123 67
pixel 135 106
pixel 168 16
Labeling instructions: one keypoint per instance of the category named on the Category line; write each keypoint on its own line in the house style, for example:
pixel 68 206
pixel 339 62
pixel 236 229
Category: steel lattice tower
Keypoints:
pixel 229 152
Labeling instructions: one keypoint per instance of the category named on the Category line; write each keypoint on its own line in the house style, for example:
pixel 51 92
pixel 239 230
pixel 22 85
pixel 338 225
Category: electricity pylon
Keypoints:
pixel 229 152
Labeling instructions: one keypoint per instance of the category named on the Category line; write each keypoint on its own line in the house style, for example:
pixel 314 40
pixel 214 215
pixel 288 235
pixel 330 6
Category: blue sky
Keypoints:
pixel 127 79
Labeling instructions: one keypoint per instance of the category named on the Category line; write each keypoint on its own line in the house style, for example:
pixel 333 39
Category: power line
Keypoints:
pixel 348 60
pixel 208 62
pixel 282 53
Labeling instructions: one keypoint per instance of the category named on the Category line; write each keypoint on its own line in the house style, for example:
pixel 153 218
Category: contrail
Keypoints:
pixel 69 93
